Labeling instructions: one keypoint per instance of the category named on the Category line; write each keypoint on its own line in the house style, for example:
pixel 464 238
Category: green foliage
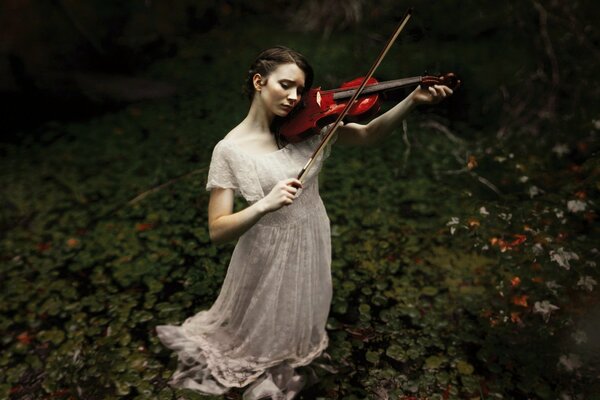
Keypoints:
pixel 449 257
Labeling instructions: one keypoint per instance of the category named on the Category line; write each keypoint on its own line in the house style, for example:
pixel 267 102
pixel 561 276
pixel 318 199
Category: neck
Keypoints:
pixel 259 119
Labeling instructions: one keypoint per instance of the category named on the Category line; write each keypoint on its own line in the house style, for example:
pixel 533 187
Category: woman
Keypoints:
pixel 271 312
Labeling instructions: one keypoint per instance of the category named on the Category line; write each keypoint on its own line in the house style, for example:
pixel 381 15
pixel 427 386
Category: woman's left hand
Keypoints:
pixel 358 134
pixel 431 95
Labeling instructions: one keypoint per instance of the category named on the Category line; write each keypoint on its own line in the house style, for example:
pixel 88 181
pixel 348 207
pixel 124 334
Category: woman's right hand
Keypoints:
pixel 282 194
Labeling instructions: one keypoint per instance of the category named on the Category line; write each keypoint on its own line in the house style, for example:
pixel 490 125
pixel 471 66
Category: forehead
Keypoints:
pixel 289 71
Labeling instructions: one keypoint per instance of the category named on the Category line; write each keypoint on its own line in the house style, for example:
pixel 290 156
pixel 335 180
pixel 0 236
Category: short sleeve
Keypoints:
pixel 221 172
pixel 230 170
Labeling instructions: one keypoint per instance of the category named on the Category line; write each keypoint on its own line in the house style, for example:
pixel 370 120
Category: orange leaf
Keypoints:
pixel 520 300
pixel 515 317
pixel 472 163
pixel 473 223
pixel 515 281
pixel 144 226
pixel 518 239
pixel 24 338
pixel 43 246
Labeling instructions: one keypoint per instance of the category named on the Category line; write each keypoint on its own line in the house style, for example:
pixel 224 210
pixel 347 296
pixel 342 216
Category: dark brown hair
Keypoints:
pixel 265 63
pixel 270 59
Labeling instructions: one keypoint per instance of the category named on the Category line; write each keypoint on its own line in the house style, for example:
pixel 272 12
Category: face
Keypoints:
pixel 282 90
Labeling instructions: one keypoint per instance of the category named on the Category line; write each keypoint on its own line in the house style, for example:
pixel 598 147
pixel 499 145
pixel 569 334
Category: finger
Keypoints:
pixel 291 187
pixel 294 182
pixel 440 91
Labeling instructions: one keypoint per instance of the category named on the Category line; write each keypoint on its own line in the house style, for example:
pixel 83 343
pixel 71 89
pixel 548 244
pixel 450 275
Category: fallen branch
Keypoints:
pixel 155 189
pixel 444 129
pixel 472 173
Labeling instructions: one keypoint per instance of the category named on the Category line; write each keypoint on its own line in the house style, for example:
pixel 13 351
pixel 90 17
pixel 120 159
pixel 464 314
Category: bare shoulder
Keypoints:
pixel 235 134
pixel 240 136
pixel 251 141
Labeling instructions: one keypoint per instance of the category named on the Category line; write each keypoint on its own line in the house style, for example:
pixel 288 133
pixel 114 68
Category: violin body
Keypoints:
pixel 319 108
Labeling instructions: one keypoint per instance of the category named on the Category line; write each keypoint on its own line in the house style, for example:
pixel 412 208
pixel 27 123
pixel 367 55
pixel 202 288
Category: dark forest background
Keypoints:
pixel 465 246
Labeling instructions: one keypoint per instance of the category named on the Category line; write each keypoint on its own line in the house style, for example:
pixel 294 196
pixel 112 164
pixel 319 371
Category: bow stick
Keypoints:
pixel 357 93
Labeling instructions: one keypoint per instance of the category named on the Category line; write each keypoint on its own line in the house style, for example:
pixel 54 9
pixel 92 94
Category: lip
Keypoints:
pixel 287 107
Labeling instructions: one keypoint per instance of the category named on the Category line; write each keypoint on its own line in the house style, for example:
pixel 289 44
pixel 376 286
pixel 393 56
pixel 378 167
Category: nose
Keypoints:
pixel 293 95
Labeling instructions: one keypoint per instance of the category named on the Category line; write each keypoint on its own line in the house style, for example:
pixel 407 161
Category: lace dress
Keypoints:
pixel 271 312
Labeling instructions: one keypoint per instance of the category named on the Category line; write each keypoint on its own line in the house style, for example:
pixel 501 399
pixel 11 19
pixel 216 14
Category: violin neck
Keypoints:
pixel 342 93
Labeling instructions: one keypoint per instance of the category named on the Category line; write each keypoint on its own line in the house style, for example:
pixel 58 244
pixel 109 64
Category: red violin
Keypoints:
pixel 322 107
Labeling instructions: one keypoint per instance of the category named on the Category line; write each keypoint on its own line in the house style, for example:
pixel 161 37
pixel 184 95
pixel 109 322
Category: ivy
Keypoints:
pixel 465 268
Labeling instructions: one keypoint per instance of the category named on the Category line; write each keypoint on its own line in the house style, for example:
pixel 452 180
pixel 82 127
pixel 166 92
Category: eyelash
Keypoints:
pixel 286 85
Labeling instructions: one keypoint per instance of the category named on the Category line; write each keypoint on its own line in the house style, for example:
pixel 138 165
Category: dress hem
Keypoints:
pixel 194 356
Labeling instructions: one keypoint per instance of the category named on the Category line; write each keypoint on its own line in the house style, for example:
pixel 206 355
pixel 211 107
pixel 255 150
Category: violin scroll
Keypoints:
pixel 450 79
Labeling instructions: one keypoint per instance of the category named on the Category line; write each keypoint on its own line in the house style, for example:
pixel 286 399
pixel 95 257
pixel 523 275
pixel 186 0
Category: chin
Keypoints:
pixel 282 113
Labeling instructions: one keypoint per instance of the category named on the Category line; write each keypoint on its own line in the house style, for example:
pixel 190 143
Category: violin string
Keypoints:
pixel 344 92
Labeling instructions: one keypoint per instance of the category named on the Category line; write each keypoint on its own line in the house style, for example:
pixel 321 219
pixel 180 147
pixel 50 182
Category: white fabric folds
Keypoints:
pixel 270 315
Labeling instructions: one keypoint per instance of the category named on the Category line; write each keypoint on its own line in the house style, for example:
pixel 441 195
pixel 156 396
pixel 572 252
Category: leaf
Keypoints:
pixel 434 362
pixel 364 309
pixel 429 291
pixel 122 388
pixel 396 352
pixel 464 368
pixel 56 336
pixel 372 357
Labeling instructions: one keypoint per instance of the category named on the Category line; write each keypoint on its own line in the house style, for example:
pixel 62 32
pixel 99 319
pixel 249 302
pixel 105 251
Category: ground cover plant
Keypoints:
pixel 465 247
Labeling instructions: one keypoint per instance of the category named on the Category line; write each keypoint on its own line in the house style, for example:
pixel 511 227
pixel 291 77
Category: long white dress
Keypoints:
pixel 271 312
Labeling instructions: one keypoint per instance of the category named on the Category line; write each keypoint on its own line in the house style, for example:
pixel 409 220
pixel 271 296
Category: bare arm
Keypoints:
pixel 358 134
pixel 224 225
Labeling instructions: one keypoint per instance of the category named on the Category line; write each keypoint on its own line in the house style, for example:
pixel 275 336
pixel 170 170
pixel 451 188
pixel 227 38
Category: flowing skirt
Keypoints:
pixel 269 317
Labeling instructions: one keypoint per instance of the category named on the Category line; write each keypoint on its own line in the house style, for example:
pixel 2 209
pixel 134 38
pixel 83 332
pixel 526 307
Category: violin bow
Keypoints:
pixel 336 124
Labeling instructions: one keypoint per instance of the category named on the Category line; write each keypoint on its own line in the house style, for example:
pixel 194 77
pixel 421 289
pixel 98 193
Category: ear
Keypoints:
pixel 257 81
